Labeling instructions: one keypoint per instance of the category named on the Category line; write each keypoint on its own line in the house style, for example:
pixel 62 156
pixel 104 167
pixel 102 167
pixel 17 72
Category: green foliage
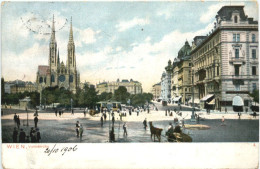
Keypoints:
pixel 141 99
pixel 88 97
pixel 255 95
pixel 105 96
pixel 121 94
pixel 2 89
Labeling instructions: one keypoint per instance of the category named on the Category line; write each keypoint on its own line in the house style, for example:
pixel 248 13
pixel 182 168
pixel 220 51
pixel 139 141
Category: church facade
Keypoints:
pixel 56 73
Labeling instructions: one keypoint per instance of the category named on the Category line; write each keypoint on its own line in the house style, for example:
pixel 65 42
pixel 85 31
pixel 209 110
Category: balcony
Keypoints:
pixel 237 61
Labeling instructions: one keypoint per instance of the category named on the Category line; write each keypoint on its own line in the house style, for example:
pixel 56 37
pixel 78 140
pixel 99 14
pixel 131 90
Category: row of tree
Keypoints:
pixel 86 97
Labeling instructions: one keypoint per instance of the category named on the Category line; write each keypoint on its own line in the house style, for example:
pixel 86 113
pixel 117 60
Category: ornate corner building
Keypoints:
pixel 225 62
pixel 57 73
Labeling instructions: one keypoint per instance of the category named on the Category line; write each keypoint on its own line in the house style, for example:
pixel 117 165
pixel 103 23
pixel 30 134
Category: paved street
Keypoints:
pixel 62 129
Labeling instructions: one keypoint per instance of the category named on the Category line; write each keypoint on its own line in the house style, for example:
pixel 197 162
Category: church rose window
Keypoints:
pixel 62 78
pixel 71 78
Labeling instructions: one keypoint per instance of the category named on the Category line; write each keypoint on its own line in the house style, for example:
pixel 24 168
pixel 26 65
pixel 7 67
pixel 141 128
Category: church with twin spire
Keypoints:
pixel 56 73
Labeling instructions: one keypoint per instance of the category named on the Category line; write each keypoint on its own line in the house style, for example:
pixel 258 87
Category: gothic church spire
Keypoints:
pixel 71 33
pixel 53 31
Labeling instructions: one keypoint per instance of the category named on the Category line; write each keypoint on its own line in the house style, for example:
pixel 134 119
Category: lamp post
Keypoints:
pixel 27 116
pixel 71 100
pixel 193 115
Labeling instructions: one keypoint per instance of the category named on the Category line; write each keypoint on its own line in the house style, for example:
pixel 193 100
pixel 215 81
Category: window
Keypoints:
pixel 237 53
pixel 235 19
pixel 236 70
pixel 40 80
pixel 254 53
pixel 236 37
pixel 253 70
pixel 237 87
pixel 52 78
pixel 254 86
pixel 253 37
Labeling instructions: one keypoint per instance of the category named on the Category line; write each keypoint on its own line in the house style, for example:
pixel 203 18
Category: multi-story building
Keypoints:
pixel 19 86
pixel 133 87
pixel 181 76
pixel 225 62
pixel 56 73
pixel 166 83
pixel 156 91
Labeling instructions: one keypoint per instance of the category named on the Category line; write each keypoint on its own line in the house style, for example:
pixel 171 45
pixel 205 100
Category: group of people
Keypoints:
pixel 35 136
pixel 60 113
pixel 17 120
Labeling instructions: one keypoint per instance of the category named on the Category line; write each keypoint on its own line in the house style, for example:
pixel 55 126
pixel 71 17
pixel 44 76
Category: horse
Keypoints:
pixel 155 131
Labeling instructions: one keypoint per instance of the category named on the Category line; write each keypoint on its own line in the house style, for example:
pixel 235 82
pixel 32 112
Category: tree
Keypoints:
pixel 255 95
pixel 2 90
pixel 88 97
pixel 105 96
pixel 121 94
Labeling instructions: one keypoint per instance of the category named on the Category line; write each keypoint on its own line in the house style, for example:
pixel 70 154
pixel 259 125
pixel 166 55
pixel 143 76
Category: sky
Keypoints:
pixel 125 40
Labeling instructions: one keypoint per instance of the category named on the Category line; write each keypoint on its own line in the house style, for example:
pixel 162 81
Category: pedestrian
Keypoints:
pixel 169 133
pixel 36 112
pixel 18 122
pixel 15 118
pixel 120 114
pixel 72 112
pixel 59 112
pixel 183 123
pixel 38 135
pixel 222 121
pixel 80 132
pixel 124 127
pixel 148 110
pixel 225 110
pixel 130 112
pixel 105 116
pixel 101 119
pixel 31 133
pixel 56 112
pixel 22 136
pixel 84 113
pixel 165 112
pixel 198 119
pixel 145 123
pixel 34 136
pixel 35 121
pixel 238 115
pixel 137 112
pixel 113 120
pixel 15 134
pixel 77 128
pixel 27 139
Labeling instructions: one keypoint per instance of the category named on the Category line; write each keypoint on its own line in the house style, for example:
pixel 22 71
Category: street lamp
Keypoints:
pixel 27 116
pixel 71 100
pixel 192 115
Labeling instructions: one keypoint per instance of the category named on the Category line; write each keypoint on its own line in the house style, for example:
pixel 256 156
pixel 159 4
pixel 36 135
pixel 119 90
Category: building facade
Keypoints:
pixel 166 83
pixel 181 76
pixel 225 62
pixel 57 73
pixel 133 87
pixel 156 91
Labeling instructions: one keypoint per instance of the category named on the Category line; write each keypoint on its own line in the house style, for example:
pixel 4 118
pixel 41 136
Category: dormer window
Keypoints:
pixel 235 19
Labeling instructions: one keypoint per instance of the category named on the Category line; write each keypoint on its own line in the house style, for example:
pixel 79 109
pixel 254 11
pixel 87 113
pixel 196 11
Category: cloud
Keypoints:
pixel 25 63
pixel 86 36
pixel 167 13
pixel 210 13
pixel 124 25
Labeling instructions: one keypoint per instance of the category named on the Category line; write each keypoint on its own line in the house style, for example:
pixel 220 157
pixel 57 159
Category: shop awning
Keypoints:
pixel 176 99
pixel 237 101
pixel 205 98
pixel 212 102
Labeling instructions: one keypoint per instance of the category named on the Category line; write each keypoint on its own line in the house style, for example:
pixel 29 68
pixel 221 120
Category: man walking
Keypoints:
pixel 124 127
pixel 35 121
pixel 84 113
pixel 101 119
pixel 38 135
pixel 113 120
pixel 145 123
pixel 80 132
pixel 22 136
pixel 18 121
pixel 15 118
pixel 77 128
pixel 15 134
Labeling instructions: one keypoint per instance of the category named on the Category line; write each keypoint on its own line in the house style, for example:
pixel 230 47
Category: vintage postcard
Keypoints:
pixel 130 84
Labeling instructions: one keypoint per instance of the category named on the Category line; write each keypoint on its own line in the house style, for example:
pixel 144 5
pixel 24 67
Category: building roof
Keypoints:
pixel 43 69
pixel 185 50
pixel 125 80
pixel 225 13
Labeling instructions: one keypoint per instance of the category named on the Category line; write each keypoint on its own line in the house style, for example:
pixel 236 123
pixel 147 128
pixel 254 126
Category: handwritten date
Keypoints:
pixel 63 150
